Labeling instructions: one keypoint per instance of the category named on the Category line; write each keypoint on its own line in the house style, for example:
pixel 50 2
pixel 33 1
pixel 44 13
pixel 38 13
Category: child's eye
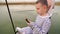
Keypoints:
pixel 38 8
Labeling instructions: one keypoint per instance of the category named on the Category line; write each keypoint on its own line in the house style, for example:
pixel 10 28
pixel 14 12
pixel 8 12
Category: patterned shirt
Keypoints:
pixel 41 25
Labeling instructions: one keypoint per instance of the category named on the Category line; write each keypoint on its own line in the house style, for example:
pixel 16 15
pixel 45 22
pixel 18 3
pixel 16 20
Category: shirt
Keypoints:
pixel 41 25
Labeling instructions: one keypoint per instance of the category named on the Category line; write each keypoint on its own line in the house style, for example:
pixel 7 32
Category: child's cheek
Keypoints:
pixel 39 11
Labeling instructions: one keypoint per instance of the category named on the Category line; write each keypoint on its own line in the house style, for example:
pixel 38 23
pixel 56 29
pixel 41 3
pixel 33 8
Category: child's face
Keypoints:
pixel 41 8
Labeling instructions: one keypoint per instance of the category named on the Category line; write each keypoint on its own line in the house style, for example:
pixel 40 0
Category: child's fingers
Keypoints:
pixel 27 24
pixel 27 20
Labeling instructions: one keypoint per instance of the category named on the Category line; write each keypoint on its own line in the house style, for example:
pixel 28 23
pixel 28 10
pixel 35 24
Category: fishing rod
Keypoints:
pixel 10 16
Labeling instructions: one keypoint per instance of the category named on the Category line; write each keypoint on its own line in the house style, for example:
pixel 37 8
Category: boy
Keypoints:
pixel 42 23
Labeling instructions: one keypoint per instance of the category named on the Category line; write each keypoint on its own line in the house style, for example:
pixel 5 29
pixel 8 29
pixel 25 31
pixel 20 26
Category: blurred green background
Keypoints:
pixel 19 12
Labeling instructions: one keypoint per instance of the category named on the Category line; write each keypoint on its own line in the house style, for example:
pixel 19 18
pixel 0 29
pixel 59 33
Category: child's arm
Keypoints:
pixel 51 7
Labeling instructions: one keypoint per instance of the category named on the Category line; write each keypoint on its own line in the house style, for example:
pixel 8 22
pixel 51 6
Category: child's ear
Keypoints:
pixel 44 6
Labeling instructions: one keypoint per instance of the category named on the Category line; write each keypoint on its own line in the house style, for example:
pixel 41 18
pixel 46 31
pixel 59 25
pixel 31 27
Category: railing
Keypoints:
pixel 25 3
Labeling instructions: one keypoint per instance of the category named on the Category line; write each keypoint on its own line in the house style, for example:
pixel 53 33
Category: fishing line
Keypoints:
pixel 10 16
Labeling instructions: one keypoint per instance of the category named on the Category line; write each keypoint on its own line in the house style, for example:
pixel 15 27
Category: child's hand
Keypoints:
pixel 27 22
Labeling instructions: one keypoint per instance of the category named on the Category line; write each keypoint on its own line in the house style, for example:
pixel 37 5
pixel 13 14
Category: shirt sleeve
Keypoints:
pixel 45 27
pixel 52 5
pixel 31 24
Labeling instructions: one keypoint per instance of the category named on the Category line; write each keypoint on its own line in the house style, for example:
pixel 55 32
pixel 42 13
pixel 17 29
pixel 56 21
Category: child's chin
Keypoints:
pixel 39 13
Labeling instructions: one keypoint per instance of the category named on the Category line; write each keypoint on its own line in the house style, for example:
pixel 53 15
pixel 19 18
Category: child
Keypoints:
pixel 42 23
